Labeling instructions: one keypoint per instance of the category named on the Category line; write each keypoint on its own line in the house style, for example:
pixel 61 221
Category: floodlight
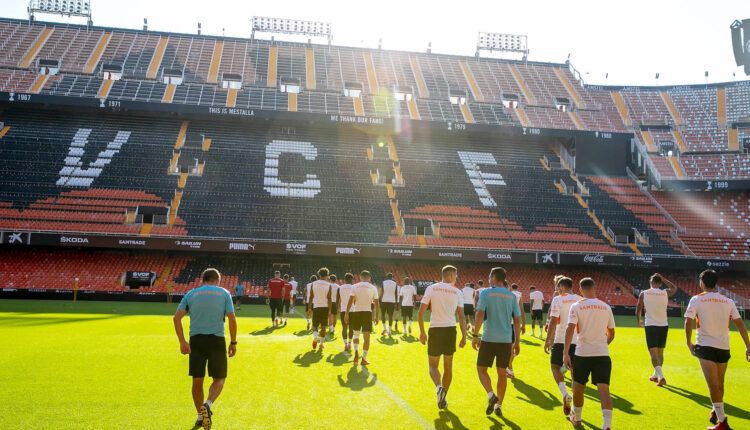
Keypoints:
pixel 68 8
pixel 503 42
pixel 291 26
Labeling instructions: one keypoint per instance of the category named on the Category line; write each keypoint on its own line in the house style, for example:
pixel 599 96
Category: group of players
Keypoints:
pixel 579 330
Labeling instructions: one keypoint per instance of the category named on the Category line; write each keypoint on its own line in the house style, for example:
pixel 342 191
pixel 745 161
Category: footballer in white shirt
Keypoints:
pixel 334 305
pixel 468 291
pixel 559 311
pixel 388 302
pixel 361 313
pixel 655 302
pixel 445 302
pixel 592 319
pixel 306 301
pixel 713 311
pixel 343 293
pixel 514 289
pixel 536 303
pixel 320 307
pixel 407 294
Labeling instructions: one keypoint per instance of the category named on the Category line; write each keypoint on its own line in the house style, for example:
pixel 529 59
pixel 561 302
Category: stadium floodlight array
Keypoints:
pixel 68 8
pixel 502 42
pixel 291 26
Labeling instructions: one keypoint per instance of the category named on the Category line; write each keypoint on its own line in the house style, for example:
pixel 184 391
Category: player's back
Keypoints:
pixel 364 295
pixel 344 292
pixel 713 311
pixel 443 299
pixel 319 292
pixel 655 301
pixel 389 291
pixel 560 308
pixel 592 318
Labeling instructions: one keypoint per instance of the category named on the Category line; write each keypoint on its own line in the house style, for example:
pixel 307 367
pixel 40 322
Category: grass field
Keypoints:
pixel 113 365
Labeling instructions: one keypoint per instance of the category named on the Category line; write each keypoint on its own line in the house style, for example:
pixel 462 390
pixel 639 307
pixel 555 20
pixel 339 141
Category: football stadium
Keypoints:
pixel 277 230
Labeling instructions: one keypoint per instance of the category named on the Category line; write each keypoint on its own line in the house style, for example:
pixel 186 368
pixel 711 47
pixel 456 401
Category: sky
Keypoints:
pixel 629 40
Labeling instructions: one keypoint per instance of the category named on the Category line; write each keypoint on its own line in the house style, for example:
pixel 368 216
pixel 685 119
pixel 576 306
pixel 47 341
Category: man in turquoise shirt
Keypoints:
pixel 207 305
pixel 239 291
pixel 498 310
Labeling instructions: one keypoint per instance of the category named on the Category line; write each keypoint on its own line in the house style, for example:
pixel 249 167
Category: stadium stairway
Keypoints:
pixel 39 82
pixel 622 108
pixel 213 68
pixel 721 107
pixel 34 49
pixel 271 74
pixel 522 84
pixel 648 139
pixel 372 78
pixel 310 82
pixel 156 58
pixel 419 77
pixel 476 92
pixel 96 54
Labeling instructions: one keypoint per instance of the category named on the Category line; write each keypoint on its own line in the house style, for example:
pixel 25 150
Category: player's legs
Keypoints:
pixel 272 305
pixel 606 400
pixel 714 374
pixel 447 371
pixel 215 389
pixel 390 317
pixel 578 390
pixel 434 368
pixel 365 347
pixel 502 384
pixel 197 391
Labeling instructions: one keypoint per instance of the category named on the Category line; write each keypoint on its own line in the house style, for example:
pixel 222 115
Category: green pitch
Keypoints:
pixel 98 365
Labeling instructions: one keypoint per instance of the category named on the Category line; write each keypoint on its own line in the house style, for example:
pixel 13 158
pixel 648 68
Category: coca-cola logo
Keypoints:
pixel 593 258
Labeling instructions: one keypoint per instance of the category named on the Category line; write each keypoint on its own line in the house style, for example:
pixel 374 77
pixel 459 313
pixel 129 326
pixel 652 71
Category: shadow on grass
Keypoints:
pixel 447 420
pixel 409 338
pixel 29 319
pixel 264 331
pixel 388 341
pixel 535 396
pixel 530 343
pixel 502 423
pixel 302 333
pixel 339 359
pixel 703 400
pixel 307 359
pixel 358 380
pixel 619 403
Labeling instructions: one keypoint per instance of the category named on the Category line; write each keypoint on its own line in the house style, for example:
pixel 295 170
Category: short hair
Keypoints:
pixel 514 286
pixel 333 278
pixel 656 279
pixel 564 281
pixel 470 284
pixel 323 272
pixel 557 279
pixel 286 276
pixel 533 288
pixel 586 283
pixel 709 278
pixel 389 275
pixel 498 274
pixel 349 278
pixel 276 272
pixel 407 280
pixel 364 273
pixel 480 282
pixel 448 268
pixel 211 275
pixel 313 278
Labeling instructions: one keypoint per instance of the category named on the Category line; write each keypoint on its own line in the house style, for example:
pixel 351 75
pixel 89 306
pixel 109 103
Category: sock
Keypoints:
pixel 439 387
pixel 563 389
pixel 315 335
pixel 200 417
pixel 210 402
pixel 658 372
pixel 607 414
pixel 490 394
pixel 356 347
pixel 576 413
pixel 364 354
pixel 719 409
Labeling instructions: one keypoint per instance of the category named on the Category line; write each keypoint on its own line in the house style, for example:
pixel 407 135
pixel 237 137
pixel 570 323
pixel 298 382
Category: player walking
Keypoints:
pixel 209 304
pixel 468 291
pixel 308 313
pixel 559 311
pixel 343 293
pixel 500 307
pixel 445 302
pixel 320 307
pixel 655 302
pixel 390 291
pixel 407 293
pixel 536 302
pixel 713 310
pixel 514 290
pixel 361 313
pixel 294 284
pixel 595 324
pixel 276 287
pixel 286 303
pixel 334 305
pixel 239 291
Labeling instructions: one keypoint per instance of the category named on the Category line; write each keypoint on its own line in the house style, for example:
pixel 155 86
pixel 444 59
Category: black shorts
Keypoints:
pixel 469 310
pixel 407 311
pixel 712 354
pixel 387 308
pixel 512 333
pixel 536 315
pixel 207 349
pixel 286 305
pixel 600 369
pixel 320 317
pixel 556 357
pixel 441 341
pixel 275 304
pixel 490 352
pixel 361 321
pixel 656 336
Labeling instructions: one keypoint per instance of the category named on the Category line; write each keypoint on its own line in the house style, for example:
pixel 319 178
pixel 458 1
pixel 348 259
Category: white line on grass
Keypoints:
pixel 392 394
